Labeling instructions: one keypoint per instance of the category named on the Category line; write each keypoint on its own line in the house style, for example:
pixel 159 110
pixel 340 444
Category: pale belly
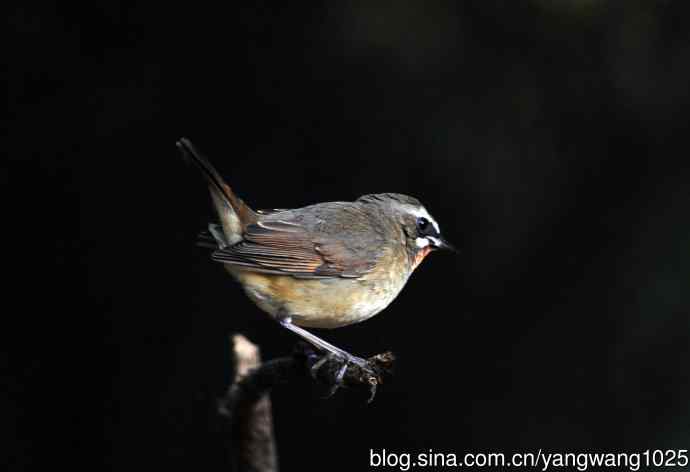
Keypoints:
pixel 322 303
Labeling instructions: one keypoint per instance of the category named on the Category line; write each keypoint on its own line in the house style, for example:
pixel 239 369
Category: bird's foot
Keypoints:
pixel 342 369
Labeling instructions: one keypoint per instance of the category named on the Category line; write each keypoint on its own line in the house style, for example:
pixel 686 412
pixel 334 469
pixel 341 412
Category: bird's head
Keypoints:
pixel 422 233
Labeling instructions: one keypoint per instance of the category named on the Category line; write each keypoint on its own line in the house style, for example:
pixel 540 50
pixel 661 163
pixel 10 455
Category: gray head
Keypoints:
pixel 421 230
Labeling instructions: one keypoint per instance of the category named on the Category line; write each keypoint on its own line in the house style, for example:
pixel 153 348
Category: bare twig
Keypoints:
pixel 248 407
pixel 252 427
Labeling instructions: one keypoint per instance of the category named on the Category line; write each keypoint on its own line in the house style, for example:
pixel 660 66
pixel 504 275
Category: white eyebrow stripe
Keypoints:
pixel 422 213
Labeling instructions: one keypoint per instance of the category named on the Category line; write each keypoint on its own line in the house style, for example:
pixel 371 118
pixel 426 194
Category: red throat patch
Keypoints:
pixel 421 254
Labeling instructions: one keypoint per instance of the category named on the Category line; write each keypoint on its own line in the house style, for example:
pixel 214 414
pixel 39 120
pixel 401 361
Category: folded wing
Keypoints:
pixel 289 246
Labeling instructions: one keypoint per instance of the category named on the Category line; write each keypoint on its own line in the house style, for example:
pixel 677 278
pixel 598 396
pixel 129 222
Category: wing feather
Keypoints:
pixel 279 243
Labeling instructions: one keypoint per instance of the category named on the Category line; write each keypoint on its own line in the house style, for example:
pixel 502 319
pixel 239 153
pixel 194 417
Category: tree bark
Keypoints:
pixel 247 405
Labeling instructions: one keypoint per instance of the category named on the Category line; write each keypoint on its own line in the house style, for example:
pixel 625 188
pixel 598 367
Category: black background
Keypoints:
pixel 549 139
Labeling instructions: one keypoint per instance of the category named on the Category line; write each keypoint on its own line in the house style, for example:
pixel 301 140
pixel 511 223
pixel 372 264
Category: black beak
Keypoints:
pixel 441 243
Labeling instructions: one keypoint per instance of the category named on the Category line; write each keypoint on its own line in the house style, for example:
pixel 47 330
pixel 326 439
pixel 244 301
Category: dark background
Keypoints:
pixel 549 139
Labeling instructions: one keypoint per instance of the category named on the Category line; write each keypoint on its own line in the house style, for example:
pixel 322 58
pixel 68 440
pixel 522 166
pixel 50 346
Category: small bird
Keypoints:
pixel 326 265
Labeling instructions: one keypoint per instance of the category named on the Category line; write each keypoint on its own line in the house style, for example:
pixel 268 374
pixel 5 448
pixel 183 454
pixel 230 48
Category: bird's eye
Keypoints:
pixel 422 224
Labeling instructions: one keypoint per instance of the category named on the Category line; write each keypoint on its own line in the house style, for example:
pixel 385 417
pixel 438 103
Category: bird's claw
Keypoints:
pixel 338 381
pixel 314 370
pixel 373 383
pixel 364 372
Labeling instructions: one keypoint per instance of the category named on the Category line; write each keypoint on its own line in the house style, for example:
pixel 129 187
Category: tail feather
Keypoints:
pixel 234 214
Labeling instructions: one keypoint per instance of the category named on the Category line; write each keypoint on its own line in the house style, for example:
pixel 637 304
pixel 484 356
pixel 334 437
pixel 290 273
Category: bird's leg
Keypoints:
pixel 319 343
pixel 332 352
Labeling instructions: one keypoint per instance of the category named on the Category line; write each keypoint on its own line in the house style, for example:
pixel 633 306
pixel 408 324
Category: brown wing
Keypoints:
pixel 288 247
pixel 270 211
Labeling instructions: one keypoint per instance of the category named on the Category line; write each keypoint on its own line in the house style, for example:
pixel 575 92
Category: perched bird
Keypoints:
pixel 322 266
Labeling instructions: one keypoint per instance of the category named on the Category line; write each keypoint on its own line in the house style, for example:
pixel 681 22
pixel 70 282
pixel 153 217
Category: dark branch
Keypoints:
pixel 247 406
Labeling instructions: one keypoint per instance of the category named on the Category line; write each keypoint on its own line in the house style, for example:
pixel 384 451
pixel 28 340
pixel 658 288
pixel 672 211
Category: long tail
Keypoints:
pixel 234 214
